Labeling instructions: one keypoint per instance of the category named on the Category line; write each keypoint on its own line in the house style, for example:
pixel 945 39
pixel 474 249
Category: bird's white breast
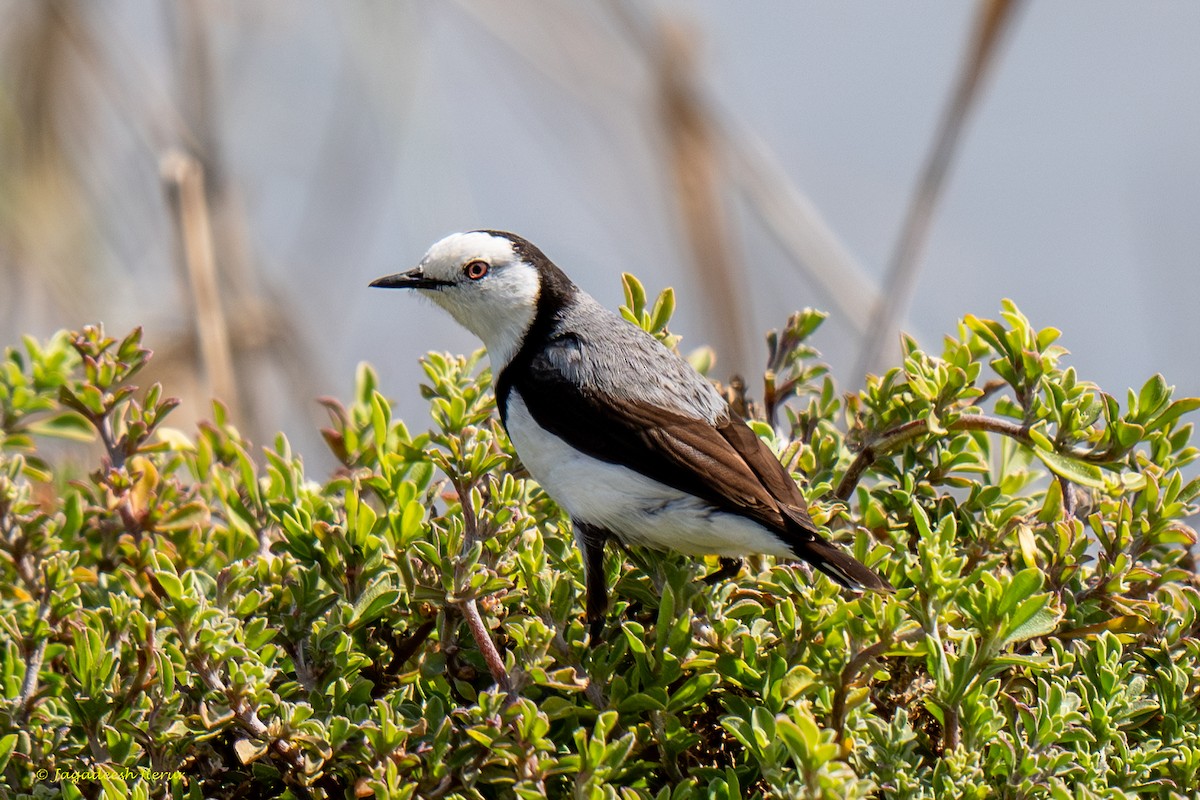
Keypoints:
pixel 635 508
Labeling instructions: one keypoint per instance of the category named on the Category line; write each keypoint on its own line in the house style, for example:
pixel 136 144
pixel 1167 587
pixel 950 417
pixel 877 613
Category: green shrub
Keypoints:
pixel 185 617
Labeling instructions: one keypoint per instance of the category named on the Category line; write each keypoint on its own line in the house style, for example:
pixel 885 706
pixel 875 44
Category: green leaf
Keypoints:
pixel 664 309
pixel 170 583
pixel 411 520
pixel 166 672
pixel 381 416
pixel 1127 434
pixel 372 603
pixel 1076 471
pixel 364 520
pixel 1153 395
pixel 692 691
pixel 67 425
pixel 990 331
pixel 702 359
pixel 639 703
pixel 1043 621
pixel 635 293
pixel 1022 587
pixel 7 743
pixel 1047 337
pixel 636 638
pixel 1176 410
pixel 365 381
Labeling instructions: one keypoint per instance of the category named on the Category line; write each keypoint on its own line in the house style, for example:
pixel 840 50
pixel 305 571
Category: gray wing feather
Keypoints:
pixel 611 390
pixel 600 351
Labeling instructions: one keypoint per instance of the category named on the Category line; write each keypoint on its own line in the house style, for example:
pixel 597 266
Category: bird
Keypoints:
pixel 619 430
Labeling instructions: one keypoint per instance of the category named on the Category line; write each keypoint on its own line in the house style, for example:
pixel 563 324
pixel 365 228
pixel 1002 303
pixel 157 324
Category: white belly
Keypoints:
pixel 635 508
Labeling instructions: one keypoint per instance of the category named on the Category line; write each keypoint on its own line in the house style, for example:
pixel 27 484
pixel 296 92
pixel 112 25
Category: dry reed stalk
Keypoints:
pixel 184 180
pixel 696 170
pixel 748 165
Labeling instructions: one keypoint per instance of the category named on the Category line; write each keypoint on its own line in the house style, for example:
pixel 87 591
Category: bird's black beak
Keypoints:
pixel 413 279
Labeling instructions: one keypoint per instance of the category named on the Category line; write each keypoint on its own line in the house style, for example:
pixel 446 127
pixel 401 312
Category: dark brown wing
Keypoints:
pixel 742 475
pixel 725 464
pixel 685 453
pixel 759 459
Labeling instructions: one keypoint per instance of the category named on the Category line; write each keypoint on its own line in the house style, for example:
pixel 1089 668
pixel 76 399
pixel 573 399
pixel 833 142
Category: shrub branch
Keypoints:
pixel 247 716
pixel 890 440
pixel 468 607
pixel 33 665
pixel 470 611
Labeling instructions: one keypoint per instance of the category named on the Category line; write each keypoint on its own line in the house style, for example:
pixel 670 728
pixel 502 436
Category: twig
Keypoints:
pixel 304 675
pixel 854 666
pixel 791 218
pixel 593 692
pixel 469 608
pixel 411 643
pixel 952 732
pixel 247 716
pixel 910 430
pixel 145 657
pixel 795 224
pixel 1068 498
pixel 240 708
pixel 33 665
pixel 971 422
pixel 483 640
pixel 659 728
pixel 116 455
pixel 849 673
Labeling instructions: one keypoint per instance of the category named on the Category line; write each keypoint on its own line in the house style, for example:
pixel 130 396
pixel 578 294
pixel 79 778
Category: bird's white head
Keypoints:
pixel 489 281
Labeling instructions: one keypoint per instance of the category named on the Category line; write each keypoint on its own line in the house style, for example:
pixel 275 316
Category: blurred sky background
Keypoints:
pixel 758 157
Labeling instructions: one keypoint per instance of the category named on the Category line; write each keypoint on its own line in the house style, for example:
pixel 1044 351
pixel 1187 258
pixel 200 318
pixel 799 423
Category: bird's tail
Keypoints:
pixel 844 569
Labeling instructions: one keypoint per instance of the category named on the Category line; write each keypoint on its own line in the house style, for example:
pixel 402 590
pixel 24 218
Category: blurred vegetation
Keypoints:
pixel 182 616
pixel 167 166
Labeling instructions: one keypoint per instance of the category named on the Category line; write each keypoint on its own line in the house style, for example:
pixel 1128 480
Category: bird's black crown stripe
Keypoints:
pixel 555 291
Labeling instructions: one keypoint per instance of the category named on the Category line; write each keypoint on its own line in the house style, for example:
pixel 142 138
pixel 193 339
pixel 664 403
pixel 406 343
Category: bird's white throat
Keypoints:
pixel 500 315
pixel 498 309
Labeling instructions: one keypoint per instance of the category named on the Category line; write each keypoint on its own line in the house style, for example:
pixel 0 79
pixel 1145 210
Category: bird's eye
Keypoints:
pixel 475 270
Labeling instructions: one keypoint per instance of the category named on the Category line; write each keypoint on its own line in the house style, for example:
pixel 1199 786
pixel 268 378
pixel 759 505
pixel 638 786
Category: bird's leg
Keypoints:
pixel 591 540
pixel 728 569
